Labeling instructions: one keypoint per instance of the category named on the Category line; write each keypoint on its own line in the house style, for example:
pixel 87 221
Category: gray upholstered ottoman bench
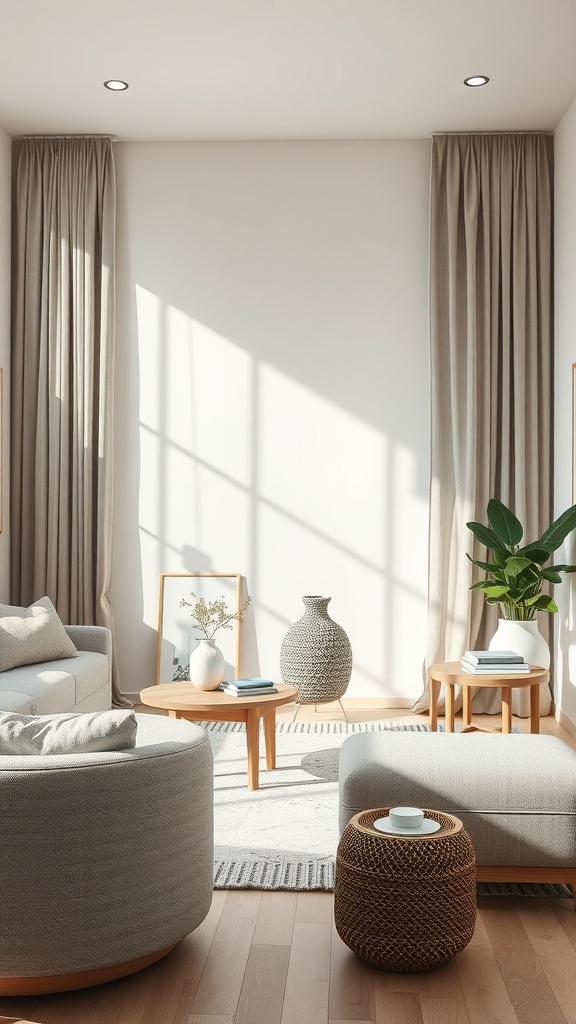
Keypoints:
pixel 515 794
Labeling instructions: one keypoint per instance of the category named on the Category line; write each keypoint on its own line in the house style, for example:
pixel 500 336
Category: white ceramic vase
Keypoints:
pixel 526 639
pixel 207 665
pixel 523 637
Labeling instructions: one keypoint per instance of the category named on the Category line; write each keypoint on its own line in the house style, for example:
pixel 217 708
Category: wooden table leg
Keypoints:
pixel 252 746
pixel 507 709
pixel 434 690
pixel 449 713
pixel 269 723
pixel 466 707
pixel 535 708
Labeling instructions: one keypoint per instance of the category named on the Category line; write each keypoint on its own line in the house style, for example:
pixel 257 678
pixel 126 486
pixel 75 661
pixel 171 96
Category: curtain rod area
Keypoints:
pixel 76 136
pixel 512 132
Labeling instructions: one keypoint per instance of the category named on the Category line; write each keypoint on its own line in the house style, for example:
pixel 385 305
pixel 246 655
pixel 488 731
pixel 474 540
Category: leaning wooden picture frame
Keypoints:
pixel 177 634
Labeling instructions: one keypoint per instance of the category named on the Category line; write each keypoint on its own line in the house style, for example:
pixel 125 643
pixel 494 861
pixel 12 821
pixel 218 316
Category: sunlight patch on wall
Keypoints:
pixel 322 465
pixel 209 396
pixel 408 522
pixel 195 387
pixel 149 311
pixel 294 561
pixel 196 440
pixel 207 513
pixel 246 470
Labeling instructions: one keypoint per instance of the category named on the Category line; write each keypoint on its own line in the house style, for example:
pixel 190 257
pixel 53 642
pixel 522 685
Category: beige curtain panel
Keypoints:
pixel 491 369
pixel 62 378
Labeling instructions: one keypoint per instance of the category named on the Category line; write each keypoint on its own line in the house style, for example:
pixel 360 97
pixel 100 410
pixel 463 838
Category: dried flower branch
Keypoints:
pixel 208 617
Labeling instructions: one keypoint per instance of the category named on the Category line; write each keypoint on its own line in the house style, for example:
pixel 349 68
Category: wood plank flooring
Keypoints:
pixel 276 958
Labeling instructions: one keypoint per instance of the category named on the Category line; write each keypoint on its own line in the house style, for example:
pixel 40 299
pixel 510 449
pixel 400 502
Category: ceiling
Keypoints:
pixel 284 69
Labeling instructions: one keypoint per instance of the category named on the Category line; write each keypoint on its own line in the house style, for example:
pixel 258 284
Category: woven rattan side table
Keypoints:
pixel 405 903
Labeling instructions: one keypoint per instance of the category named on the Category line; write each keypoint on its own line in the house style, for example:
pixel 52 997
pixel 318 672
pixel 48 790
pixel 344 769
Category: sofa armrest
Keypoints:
pixel 91 638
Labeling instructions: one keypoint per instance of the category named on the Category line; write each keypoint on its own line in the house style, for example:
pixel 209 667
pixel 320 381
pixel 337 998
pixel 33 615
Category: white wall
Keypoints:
pixel 272 392
pixel 5 220
pixel 565 356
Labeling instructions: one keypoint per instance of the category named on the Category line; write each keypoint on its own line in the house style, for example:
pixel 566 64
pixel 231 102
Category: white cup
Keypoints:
pixel 406 817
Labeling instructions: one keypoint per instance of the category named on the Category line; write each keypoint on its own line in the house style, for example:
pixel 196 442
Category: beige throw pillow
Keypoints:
pixel 67 734
pixel 30 635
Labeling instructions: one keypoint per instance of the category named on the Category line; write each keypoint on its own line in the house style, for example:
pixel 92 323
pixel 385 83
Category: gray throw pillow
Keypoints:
pixel 30 635
pixel 67 734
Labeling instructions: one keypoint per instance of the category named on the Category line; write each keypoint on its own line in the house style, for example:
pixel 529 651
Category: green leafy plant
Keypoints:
pixel 211 616
pixel 516 575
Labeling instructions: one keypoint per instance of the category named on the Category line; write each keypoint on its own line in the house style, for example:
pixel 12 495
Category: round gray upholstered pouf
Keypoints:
pixel 315 655
pixel 107 858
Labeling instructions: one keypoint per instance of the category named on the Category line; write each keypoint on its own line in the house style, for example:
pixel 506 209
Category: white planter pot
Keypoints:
pixel 526 639
pixel 523 637
pixel 207 665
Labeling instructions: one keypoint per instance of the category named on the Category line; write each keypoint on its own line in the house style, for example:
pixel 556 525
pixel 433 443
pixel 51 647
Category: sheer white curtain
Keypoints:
pixel 62 378
pixel 491 367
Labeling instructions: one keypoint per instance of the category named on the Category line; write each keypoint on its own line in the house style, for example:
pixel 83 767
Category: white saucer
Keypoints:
pixel 425 829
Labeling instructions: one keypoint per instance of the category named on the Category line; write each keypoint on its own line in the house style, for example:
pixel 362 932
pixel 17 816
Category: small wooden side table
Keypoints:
pixel 450 673
pixel 183 700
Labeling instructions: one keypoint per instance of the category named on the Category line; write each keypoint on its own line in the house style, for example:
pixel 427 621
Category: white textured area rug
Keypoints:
pixel 285 834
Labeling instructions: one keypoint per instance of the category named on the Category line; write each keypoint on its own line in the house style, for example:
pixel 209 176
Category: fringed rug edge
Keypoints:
pixel 314 876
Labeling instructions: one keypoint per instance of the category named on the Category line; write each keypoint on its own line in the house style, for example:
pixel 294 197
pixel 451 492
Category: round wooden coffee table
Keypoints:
pixel 183 700
pixel 450 673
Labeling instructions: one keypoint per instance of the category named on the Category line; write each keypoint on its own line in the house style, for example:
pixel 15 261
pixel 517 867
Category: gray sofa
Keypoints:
pixel 75 684
pixel 516 794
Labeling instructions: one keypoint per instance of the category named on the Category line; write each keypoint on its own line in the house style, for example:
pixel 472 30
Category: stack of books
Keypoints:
pixel 493 663
pixel 247 687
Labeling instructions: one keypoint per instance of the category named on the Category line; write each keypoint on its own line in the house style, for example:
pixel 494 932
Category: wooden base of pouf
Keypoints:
pixel 405 903
pixel 79 979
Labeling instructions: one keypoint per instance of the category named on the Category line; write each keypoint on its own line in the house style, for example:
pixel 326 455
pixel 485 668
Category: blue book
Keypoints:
pixel 248 684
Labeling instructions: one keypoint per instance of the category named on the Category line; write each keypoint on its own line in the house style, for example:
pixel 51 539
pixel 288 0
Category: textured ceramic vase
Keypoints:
pixel 315 655
pixel 526 639
pixel 207 665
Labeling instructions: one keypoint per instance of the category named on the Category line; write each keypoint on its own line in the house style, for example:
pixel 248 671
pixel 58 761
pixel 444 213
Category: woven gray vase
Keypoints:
pixel 315 655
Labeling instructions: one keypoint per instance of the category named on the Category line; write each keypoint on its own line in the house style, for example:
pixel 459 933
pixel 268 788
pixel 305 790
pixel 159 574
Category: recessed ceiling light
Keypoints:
pixel 475 80
pixel 116 85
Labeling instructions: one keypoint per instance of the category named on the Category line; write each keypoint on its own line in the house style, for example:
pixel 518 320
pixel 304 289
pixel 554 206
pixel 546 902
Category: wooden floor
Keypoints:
pixel 275 958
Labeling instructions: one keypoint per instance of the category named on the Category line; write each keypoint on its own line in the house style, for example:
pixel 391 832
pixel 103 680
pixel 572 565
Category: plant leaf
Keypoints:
pixel 515 565
pixel 486 536
pixel 495 591
pixel 562 568
pixel 504 523
pixel 553 537
pixel 535 552
pixel 551 575
pixel 488 566
pixel 487 584
pixel 542 603
pixel 500 556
